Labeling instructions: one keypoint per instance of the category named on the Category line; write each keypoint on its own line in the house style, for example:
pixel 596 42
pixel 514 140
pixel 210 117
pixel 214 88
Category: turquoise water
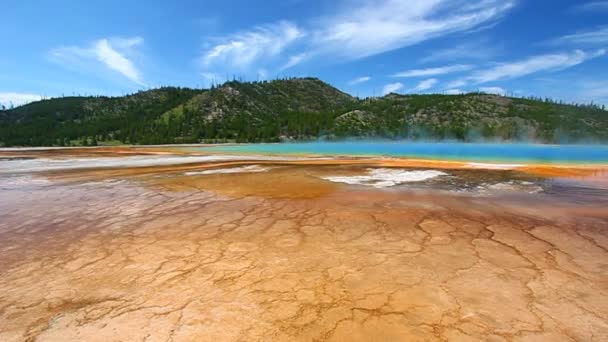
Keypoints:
pixel 481 152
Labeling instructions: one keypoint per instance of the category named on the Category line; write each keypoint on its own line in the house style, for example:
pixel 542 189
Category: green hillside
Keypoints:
pixel 299 108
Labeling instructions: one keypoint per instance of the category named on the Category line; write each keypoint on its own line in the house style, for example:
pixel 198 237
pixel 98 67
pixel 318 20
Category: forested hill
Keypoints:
pixel 299 108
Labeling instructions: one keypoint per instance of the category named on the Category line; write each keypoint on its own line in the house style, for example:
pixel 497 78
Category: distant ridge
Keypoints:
pixel 293 109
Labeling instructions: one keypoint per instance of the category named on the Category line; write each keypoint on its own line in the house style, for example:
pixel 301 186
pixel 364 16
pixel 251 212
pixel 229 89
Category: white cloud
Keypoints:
pixel 586 90
pixel 434 71
pixel 426 84
pixel 468 50
pixel 262 74
pixel 212 78
pixel 594 6
pixel 17 99
pixel 457 83
pixel 244 49
pixel 293 61
pixel 359 80
pixel 384 25
pixel 596 91
pixel 454 91
pixel 355 29
pixel 391 88
pixel 592 37
pixel 111 53
pixel 116 61
pixel 549 62
pixel 127 43
pixel 493 90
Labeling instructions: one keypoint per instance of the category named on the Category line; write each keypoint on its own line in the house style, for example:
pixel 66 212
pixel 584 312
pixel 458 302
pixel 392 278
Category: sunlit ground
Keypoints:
pixel 145 247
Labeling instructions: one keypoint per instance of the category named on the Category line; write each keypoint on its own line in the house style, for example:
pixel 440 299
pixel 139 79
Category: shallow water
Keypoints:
pixel 239 248
pixel 433 150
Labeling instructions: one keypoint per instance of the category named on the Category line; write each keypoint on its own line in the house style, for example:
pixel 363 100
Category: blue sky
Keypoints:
pixel 555 48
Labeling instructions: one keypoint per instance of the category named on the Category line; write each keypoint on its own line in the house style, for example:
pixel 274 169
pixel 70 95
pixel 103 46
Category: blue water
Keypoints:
pixel 481 152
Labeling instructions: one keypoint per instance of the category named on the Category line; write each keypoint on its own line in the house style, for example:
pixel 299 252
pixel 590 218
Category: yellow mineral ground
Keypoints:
pixel 155 254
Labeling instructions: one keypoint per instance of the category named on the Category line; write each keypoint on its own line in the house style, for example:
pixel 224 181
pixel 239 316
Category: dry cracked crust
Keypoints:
pixel 112 261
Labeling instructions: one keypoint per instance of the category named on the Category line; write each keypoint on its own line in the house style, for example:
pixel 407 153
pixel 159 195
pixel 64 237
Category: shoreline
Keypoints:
pixel 557 169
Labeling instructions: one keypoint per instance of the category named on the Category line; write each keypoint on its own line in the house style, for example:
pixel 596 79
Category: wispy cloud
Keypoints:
pixel 384 25
pixel 17 99
pixel 594 6
pixel 590 37
pixel 293 61
pixel 426 84
pixel 111 53
pixel 480 50
pixel 454 91
pixel 354 30
pixel 116 61
pixel 549 62
pixel 493 90
pixel 212 78
pixel 359 80
pixel 587 91
pixel 457 83
pixel 597 89
pixel 434 71
pixel 244 49
pixel 391 88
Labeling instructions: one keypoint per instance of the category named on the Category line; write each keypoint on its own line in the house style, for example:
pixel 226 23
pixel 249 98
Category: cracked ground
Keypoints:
pixel 282 256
